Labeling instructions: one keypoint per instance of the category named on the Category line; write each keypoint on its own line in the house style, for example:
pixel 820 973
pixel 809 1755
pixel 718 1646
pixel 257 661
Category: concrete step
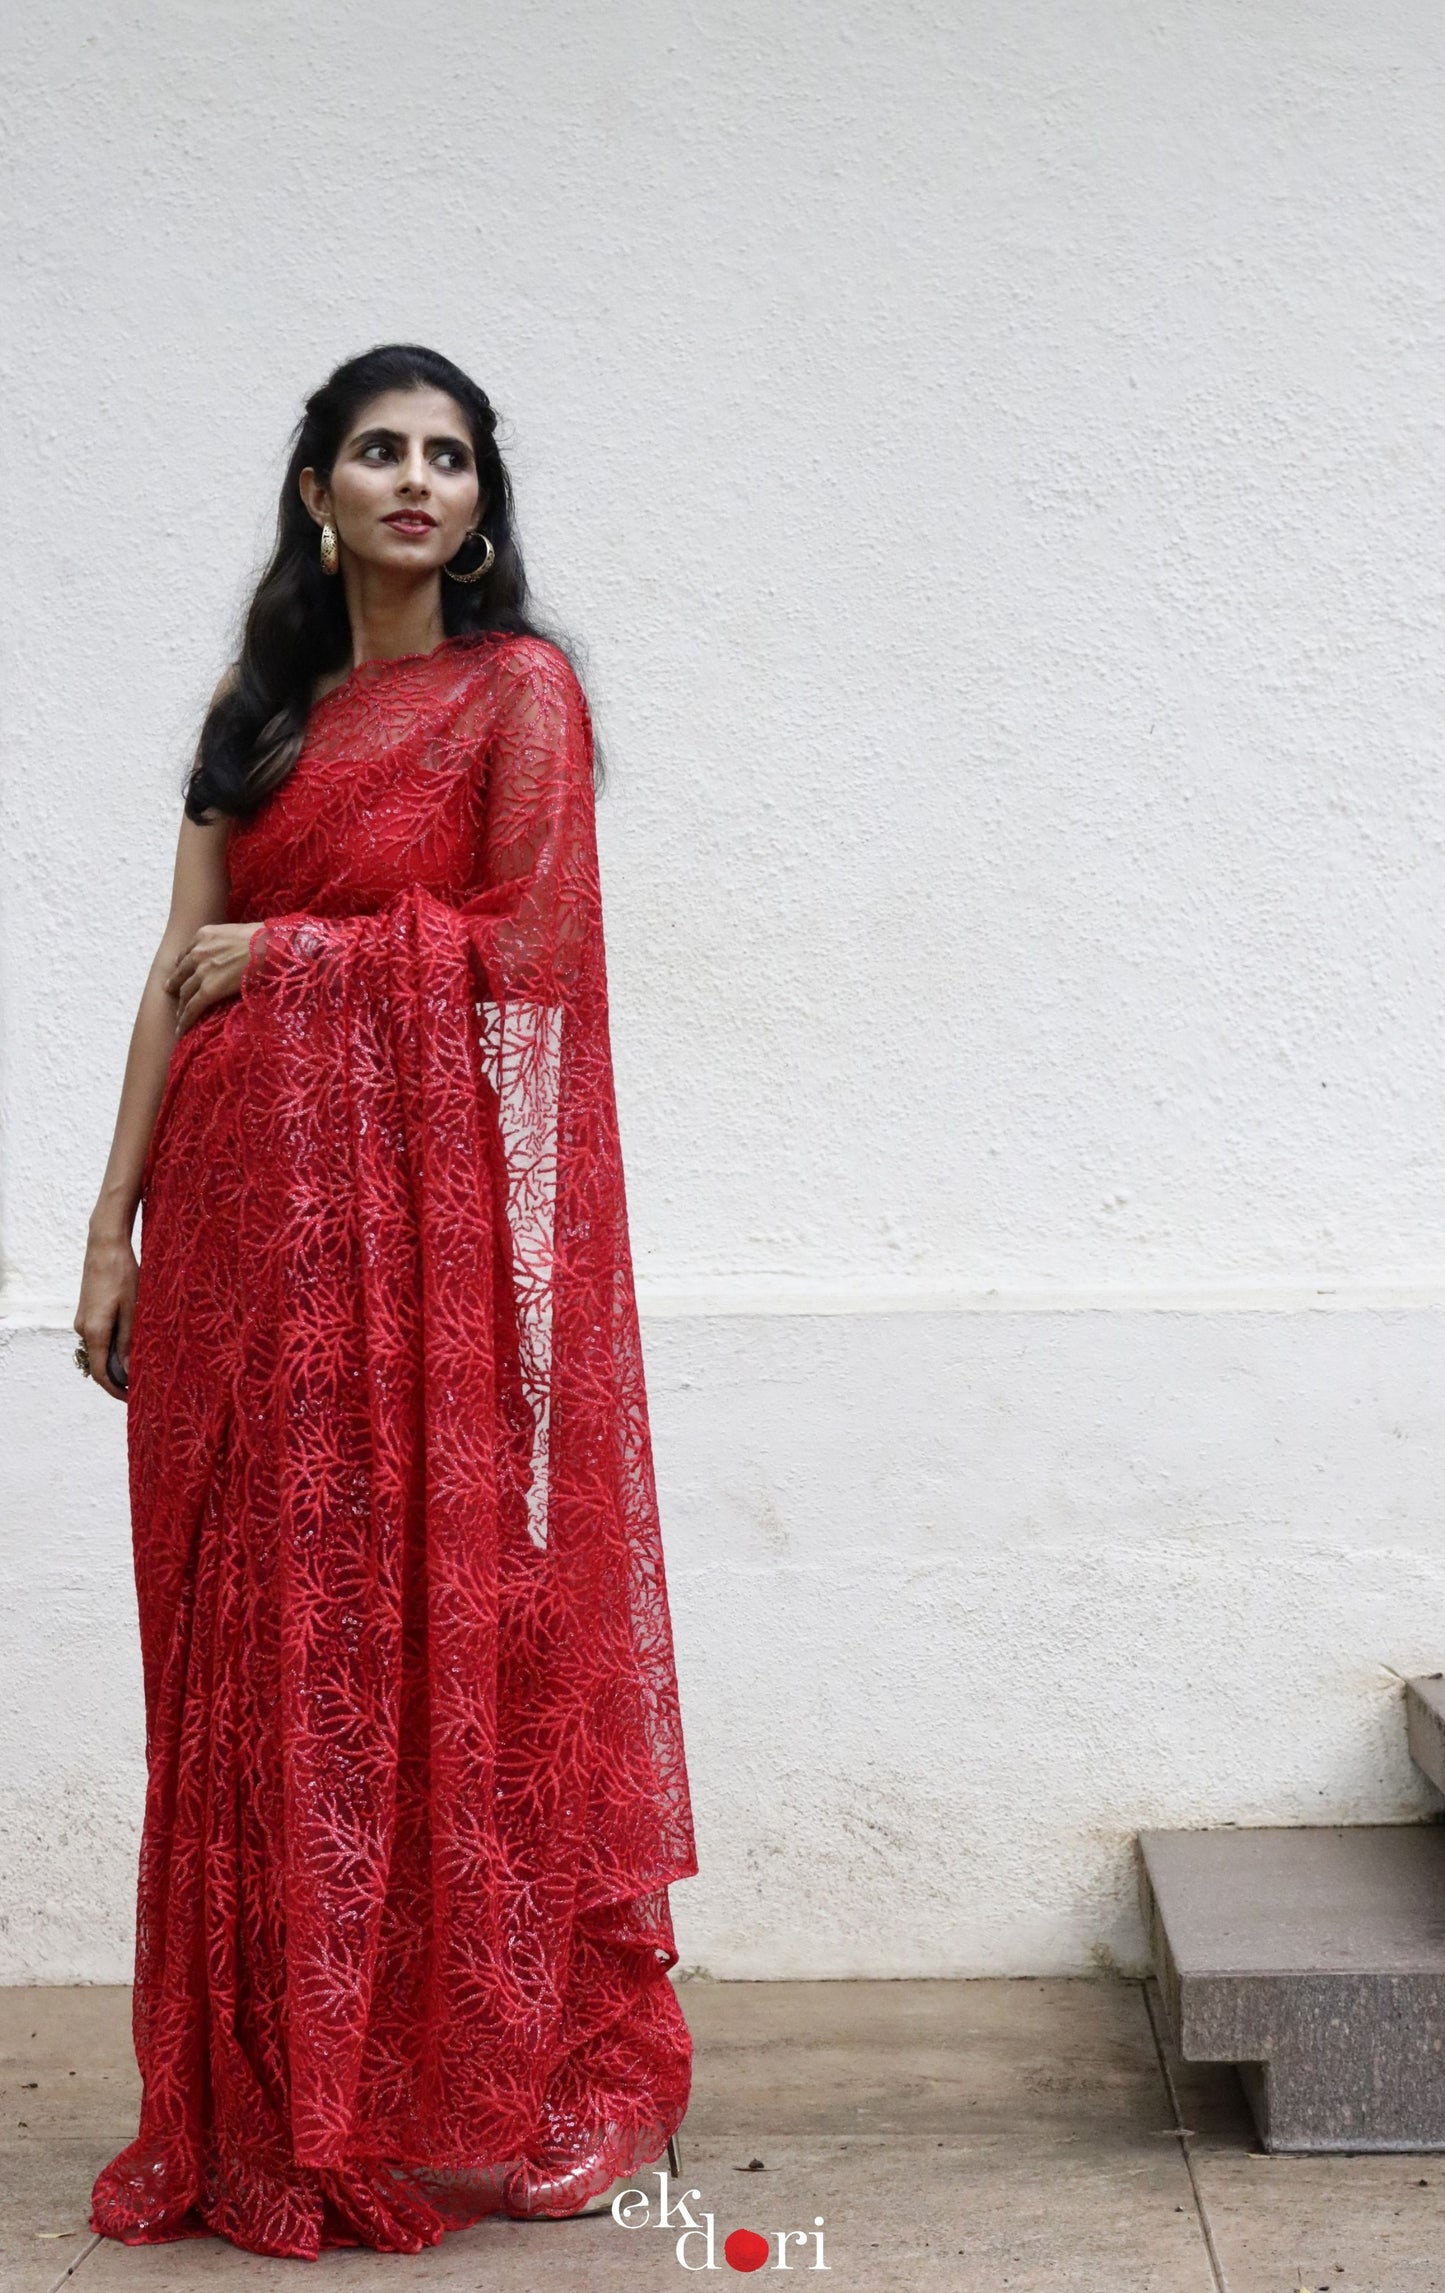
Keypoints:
pixel 1314 1959
pixel 1425 1725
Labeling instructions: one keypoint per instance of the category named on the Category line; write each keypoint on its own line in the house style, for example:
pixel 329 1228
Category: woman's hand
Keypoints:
pixel 107 1305
pixel 210 970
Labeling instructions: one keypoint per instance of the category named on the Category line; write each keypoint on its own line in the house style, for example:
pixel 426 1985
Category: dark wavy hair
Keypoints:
pixel 296 628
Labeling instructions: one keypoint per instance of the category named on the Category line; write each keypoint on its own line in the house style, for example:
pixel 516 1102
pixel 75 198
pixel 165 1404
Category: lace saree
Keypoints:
pixel 416 1777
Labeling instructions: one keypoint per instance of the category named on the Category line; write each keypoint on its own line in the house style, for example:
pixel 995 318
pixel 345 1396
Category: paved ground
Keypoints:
pixel 985 2137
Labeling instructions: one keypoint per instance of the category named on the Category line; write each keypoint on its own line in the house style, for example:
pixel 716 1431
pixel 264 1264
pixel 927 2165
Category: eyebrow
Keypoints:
pixel 379 435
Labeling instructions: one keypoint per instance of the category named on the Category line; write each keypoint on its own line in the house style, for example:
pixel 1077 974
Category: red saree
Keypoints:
pixel 416 1779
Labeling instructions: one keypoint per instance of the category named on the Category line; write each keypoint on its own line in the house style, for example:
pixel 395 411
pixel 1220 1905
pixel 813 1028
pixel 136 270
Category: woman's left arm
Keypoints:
pixel 198 954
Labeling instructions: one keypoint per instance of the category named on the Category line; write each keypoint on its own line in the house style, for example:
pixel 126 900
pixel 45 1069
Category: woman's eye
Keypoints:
pixel 375 448
pixel 450 459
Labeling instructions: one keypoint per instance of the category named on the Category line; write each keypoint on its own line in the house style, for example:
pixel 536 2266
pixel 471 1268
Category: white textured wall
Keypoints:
pixel 992 452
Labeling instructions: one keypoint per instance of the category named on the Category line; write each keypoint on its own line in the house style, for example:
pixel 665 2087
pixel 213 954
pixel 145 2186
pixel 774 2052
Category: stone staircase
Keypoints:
pixel 1314 1959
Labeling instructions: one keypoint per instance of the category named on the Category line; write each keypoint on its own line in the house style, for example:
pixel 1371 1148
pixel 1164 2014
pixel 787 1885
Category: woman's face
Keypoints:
pixel 403 492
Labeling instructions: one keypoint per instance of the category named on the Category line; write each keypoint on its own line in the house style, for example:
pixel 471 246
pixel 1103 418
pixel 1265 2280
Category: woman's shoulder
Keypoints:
pixel 523 687
pixel 520 657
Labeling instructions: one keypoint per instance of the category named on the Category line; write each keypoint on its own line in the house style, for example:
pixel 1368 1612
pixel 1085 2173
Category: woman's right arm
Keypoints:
pixel 108 1284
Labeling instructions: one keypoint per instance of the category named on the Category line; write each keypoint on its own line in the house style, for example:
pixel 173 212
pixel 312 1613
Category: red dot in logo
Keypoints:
pixel 744 2249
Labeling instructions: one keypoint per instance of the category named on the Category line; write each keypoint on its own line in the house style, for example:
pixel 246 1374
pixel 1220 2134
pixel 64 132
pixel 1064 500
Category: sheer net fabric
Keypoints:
pixel 416 1776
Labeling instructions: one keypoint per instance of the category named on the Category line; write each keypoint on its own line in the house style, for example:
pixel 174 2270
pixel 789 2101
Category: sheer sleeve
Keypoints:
pixel 539 862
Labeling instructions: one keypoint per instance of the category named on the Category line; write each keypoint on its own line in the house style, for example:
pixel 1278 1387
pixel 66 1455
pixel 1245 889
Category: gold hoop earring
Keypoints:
pixel 330 554
pixel 478 571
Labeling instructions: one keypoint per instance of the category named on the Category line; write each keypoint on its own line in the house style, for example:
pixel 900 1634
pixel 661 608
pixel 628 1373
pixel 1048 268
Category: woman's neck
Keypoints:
pixel 390 618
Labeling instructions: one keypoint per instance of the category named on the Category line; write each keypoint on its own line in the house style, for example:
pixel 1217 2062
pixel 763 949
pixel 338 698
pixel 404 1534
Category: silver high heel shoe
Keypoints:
pixel 603 2201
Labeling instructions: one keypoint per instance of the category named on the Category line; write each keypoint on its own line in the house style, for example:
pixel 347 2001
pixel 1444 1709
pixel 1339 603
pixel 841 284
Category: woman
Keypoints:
pixel 416 1781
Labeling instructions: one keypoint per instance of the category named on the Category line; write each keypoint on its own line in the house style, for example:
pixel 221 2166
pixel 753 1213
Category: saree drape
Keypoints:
pixel 416 1775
